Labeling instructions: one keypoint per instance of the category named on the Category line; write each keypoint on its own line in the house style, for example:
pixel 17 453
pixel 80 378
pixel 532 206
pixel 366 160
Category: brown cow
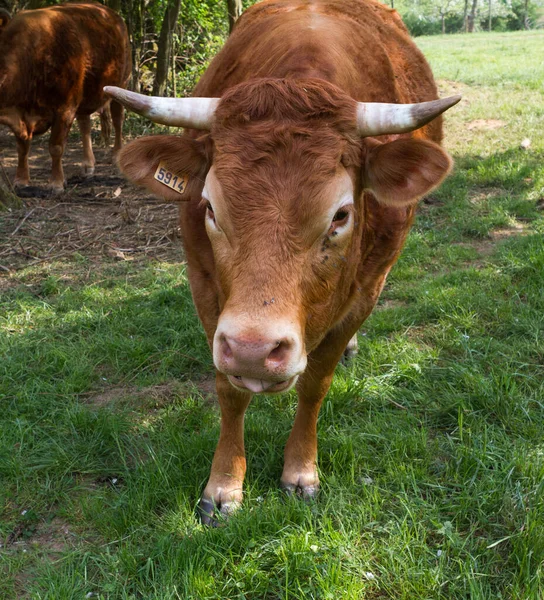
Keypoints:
pixel 54 64
pixel 295 204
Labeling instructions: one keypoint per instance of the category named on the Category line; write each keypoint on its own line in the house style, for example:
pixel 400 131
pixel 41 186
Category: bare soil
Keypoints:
pixel 99 216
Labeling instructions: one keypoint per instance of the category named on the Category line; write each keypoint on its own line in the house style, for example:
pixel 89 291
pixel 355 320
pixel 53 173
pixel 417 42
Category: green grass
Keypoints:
pixel 431 443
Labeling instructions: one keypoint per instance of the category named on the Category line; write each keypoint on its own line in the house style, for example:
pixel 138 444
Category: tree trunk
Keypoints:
pixel 135 27
pixel 472 16
pixel 526 15
pixel 489 16
pixel 114 5
pixel 165 47
pixel 465 16
pixel 234 8
pixel 443 23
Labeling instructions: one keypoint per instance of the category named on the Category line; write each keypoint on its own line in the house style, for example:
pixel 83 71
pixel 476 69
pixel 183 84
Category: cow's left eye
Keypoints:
pixel 340 219
pixel 209 211
pixel 341 216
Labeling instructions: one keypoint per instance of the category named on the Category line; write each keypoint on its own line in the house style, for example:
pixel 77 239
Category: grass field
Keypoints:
pixel 431 444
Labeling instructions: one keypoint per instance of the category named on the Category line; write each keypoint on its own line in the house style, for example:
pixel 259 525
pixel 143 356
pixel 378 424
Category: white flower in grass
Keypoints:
pixel 370 576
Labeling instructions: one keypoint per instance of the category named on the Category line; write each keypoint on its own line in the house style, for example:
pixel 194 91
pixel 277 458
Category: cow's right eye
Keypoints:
pixel 209 211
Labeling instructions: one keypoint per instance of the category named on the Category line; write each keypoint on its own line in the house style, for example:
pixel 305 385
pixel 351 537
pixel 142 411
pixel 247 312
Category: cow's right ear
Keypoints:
pixel 401 172
pixel 5 18
pixel 171 167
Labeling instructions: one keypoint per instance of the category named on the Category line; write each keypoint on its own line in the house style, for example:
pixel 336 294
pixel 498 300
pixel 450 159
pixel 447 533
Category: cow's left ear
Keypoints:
pixel 171 167
pixel 401 172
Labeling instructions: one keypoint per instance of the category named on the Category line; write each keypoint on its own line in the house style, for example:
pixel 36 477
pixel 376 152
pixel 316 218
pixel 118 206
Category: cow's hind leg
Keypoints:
pixel 22 175
pixel 117 114
pixel 59 132
pixel 300 464
pixel 105 124
pixel 223 493
pixel 84 122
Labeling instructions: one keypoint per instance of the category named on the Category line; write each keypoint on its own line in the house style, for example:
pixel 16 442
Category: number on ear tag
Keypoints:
pixel 178 183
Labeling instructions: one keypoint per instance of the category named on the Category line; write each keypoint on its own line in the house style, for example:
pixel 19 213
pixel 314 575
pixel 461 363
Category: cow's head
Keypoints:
pixel 279 180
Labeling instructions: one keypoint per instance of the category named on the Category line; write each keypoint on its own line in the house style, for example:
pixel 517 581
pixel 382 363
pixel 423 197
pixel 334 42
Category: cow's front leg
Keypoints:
pixel 223 493
pixel 59 132
pixel 300 466
pixel 22 175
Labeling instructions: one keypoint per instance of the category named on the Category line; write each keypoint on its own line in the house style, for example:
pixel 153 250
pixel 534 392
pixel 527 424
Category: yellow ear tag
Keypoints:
pixel 178 183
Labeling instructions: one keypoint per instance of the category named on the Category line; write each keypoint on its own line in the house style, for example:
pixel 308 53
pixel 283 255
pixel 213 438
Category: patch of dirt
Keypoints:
pixel 51 537
pixel 54 537
pixel 386 304
pixel 48 539
pixel 447 86
pixel 479 195
pixel 506 232
pixel 153 397
pixel 102 217
pixel 486 124
pixel 485 247
pixel 206 386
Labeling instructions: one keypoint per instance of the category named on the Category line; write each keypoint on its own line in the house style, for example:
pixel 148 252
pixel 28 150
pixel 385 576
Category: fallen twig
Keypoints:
pixel 22 222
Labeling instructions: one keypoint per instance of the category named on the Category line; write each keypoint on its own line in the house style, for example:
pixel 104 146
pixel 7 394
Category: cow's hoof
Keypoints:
pixel 350 352
pixel 88 171
pixel 55 189
pixel 215 515
pixel 306 492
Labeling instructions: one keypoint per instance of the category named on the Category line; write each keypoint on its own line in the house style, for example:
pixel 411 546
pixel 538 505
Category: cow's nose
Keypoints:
pixel 270 350
pixel 243 354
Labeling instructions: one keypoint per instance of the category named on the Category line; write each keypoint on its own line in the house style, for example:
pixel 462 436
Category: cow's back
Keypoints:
pixel 361 46
pixel 63 55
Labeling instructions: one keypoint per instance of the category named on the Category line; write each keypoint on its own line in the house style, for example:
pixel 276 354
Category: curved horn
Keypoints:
pixel 375 118
pixel 197 113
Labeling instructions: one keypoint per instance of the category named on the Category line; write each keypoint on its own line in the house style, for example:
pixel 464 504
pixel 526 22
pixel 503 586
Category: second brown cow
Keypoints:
pixel 54 64
pixel 314 133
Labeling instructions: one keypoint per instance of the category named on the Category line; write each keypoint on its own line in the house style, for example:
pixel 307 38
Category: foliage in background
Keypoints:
pixel 429 17
pixel 202 27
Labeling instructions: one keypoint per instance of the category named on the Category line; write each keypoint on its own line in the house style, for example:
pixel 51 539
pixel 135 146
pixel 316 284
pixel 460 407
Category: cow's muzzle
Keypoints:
pixel 265 359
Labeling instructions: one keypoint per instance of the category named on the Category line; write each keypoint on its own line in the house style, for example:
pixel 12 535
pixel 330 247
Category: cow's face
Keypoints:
pixel 282 205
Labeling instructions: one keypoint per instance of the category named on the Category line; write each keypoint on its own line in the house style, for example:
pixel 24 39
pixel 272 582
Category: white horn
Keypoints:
pixel 197 113
pixel 375 118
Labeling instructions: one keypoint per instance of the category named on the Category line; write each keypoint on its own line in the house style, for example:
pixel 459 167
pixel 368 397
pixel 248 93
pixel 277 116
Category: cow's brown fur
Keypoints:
pixel 54 63
pixel 283 144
